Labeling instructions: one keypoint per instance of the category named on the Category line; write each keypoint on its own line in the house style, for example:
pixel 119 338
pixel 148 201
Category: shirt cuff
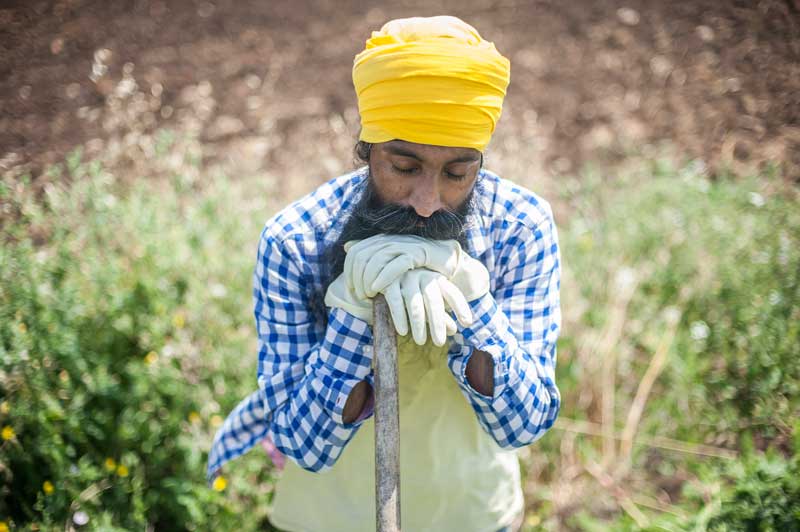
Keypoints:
pixel 490 332
pixel 344 360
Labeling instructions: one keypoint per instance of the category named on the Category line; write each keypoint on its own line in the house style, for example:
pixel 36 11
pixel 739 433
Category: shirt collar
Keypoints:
pixel 478 219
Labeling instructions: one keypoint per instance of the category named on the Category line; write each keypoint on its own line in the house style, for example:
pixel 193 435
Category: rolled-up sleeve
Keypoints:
pixel 517 325
pixel 304 379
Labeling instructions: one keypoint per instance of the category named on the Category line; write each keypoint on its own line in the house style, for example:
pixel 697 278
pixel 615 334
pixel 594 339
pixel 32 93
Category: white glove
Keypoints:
pixel 339 295
pixel 371 264
pixel 374 263
pixel 421 297
pixel 471 277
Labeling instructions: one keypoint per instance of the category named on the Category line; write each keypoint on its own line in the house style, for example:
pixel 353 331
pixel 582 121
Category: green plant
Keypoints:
pixel 763 494
pixel 726 256
pixel 124 339
pixel 723 259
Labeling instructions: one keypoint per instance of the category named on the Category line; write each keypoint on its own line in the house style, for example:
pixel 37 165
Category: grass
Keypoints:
pixel 126 335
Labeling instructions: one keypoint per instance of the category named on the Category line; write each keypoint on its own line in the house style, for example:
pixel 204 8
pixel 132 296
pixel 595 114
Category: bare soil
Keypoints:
pixel 265 85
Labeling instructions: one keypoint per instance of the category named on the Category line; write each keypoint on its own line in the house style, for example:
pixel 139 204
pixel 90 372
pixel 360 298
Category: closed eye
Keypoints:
pixel 404 170
pixel 456 177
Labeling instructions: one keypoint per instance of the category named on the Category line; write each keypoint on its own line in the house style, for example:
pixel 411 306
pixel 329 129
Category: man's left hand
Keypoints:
pixel 371 265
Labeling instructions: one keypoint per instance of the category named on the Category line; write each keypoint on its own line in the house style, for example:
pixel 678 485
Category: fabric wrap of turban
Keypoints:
pixel 430 80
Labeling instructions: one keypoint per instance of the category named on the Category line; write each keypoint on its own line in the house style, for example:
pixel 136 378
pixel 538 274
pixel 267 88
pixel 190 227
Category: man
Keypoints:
pixel 469 264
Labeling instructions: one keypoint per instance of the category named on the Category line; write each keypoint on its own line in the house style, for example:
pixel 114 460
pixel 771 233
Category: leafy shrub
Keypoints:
pixel 124 337
pixel 764 494
pixel 761 491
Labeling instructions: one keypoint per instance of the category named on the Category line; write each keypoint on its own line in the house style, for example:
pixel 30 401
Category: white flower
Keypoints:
pixel 699 330
pixel 218 290
pixel 80 518
pixel 756 199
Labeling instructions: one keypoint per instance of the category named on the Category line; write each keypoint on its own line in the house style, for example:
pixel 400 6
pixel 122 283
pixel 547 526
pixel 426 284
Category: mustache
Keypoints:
pixel 393 219
pixel 372 216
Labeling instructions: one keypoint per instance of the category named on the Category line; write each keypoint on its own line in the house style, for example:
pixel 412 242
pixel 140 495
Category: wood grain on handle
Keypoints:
pixel 387 420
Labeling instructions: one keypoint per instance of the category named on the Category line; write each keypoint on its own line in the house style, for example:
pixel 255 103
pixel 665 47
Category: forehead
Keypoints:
pixel 429 151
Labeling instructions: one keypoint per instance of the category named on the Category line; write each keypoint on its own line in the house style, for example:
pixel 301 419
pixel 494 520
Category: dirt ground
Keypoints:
pixel 265 85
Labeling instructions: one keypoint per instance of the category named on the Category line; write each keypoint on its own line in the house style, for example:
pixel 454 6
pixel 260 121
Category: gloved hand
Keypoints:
pixel 374 263
pixel 418 298
pixel 387 257
pixel 421 297
pixel 339 295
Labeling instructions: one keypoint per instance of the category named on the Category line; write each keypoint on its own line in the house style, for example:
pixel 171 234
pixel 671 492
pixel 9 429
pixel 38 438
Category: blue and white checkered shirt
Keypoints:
pixel 307 364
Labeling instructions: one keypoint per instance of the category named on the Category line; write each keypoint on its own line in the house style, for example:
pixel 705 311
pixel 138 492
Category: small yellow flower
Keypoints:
pixel 194 418
pixel 179 320
pixel 23 328
pixel 219 483
pixel 47 487
pixel 586 242
pixel 8 433
pixel 4 408
pixel 3 526
pixel 533 520
pixel 111 464
pixel 216 420
pixel 122 470
pixel 151 358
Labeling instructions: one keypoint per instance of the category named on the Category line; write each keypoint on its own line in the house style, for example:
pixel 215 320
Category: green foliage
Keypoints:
pixel 124 337
pixel 759 492
pixel 764 494
pixel 725 257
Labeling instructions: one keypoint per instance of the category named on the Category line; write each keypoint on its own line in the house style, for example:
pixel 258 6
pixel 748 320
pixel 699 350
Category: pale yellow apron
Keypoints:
pixel 453 476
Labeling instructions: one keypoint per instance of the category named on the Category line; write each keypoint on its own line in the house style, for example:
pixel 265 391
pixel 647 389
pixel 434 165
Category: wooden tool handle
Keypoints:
pixel 387 420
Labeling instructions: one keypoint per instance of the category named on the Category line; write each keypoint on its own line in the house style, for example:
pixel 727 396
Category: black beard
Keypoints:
pixel 372 216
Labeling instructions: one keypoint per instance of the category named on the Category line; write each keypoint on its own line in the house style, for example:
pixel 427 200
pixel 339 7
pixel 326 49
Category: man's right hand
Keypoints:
pixel 371 265
pixel 341 295
pixel 374 263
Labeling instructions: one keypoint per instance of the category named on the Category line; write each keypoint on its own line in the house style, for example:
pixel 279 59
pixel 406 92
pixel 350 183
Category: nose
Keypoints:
pixel 426 198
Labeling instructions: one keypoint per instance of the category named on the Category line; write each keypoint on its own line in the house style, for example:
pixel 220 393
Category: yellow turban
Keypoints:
pixel 431 81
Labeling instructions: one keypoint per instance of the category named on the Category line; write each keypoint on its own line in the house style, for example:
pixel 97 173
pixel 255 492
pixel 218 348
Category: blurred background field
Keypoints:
pixel 143 145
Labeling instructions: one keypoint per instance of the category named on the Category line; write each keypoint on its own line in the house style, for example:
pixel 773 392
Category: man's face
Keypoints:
pixel 421 176
pixel 413 189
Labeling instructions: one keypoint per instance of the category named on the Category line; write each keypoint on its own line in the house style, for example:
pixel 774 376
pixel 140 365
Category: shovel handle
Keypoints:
pixel 387 420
